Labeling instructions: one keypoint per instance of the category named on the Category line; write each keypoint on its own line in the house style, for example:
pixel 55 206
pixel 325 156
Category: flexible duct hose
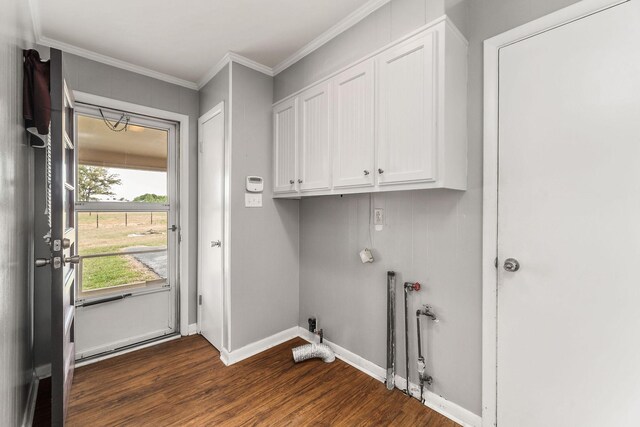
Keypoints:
pixel 310 351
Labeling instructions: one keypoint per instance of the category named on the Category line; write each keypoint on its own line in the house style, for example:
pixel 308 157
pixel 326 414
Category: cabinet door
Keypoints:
pixel 353 123
pixel 285 131
pixel 315 149
pixel 407 125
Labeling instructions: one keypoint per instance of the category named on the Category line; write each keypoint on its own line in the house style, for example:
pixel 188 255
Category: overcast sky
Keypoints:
pixel 137 182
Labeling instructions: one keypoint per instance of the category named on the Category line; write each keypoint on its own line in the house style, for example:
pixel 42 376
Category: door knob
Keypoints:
pixel 366 172
pixel 380 171
pixel 72 259
pixel 299 181
pixel 291 181
pixel 216 243
pixel 41 262
pixel 511 264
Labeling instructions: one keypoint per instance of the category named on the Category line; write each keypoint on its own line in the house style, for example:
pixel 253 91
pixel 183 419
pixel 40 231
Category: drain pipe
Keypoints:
pixel 408 287
pixel 313 350
pixel 391 330
pixel 422 366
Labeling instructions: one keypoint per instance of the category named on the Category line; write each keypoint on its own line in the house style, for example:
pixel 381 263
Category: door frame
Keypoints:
pixel 492 48
pixel 226 226
pixel 183 175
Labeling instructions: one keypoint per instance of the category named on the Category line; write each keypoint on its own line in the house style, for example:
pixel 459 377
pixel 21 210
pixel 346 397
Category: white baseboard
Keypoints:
pixel 438 403
pixel 193 329
pixel 30 408
pixel 224 356
pixel 235 356
pixel 43 371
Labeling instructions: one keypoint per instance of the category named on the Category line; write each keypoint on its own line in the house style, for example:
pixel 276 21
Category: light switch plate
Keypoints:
pixel 252 200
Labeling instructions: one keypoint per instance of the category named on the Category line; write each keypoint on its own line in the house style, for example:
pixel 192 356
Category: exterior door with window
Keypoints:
pixel 61 239
pixel 126 230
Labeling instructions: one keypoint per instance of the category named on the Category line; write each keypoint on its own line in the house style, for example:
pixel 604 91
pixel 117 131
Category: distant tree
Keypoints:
pixel 150 198
pixel 95 181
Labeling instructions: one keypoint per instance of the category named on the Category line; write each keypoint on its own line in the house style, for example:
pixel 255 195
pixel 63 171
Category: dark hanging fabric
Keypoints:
pixel 36 97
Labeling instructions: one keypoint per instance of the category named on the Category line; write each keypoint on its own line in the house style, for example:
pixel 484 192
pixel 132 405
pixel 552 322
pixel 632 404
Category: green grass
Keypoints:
pixel 109 234
pixel 99 273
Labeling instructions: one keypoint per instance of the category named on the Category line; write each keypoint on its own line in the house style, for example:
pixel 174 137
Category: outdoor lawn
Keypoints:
pixel 115 232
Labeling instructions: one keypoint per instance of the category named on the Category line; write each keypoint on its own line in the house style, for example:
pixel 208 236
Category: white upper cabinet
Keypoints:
pixel 407 123
pixel 285 129
pixel 394 120
pixel 353 126
pixel 314 141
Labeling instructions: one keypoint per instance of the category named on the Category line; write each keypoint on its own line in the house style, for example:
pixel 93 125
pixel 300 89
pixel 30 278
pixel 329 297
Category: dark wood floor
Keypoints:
pixel 183 382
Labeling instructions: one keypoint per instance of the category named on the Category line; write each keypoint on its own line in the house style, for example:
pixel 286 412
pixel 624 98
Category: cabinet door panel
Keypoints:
pixel 315 171
pixel 354 132
pixel 407 111
pixel 285 130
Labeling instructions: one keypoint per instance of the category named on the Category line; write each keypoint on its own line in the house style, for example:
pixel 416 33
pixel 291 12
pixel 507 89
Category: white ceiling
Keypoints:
pixel 185 39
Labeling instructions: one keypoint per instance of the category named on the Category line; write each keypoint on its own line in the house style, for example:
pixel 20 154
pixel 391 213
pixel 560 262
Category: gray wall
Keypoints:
pixel 103 80
pixel 264 241
pixel 16 213
pixel 430 236
pixel 216 91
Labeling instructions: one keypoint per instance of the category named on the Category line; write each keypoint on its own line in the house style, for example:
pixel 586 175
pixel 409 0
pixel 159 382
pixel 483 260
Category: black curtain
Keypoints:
pixel 36 97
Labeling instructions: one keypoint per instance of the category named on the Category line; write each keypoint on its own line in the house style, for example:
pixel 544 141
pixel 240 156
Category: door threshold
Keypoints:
pixel 126 349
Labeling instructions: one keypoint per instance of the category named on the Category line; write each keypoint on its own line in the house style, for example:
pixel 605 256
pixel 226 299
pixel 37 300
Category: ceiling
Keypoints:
pixel 186 39
pixel 141 148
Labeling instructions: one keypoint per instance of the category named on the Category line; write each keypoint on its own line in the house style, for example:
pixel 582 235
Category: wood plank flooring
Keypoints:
pixel 184 383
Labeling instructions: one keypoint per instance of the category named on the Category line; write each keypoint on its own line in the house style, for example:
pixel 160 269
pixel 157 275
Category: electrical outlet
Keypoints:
pixel 378 216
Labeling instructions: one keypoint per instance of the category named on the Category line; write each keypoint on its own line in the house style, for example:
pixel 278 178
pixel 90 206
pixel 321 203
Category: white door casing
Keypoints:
pixel 285 158
pixel 315 138
pixel 407 125
pixel 211 244
pixel 559 343
pixel 354 126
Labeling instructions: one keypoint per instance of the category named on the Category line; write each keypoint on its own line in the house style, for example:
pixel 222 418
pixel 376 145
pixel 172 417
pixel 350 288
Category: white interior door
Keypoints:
pixel 211 224
pixel 568 350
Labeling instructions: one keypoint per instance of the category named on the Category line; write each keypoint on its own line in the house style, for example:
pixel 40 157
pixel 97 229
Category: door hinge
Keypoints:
pixel 199 299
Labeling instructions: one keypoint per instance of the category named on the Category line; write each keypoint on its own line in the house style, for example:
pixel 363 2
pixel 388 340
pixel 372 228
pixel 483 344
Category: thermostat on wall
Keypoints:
pixel 255 184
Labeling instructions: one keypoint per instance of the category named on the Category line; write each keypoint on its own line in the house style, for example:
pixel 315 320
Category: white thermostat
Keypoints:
pixel 255 184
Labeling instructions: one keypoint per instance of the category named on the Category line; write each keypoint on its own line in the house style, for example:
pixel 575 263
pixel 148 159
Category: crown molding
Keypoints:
pixel 108 60
pixel 346 23
pixel 238 59
pixel 104 59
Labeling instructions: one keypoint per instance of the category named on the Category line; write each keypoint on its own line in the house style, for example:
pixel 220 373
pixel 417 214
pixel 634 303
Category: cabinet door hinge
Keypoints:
pixel 199 299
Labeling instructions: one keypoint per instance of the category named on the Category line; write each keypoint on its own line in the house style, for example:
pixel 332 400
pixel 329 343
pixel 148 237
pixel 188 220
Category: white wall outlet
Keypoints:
pixel 378 218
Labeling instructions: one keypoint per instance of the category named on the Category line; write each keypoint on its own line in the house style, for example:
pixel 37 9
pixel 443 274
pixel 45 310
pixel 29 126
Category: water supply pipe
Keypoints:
pixel 408 287
pixel 423 377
